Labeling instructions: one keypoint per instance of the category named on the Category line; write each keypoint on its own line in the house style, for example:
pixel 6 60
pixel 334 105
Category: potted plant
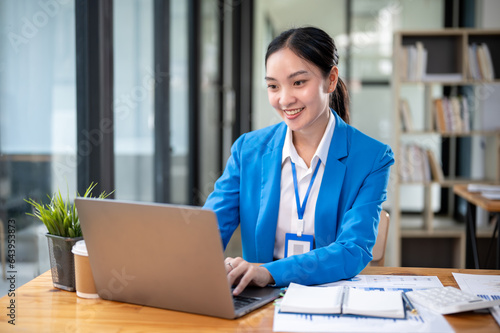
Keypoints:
pixel 63 231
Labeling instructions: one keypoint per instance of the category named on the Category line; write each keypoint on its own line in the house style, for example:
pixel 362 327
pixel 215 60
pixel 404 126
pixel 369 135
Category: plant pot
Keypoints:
pixel 62 262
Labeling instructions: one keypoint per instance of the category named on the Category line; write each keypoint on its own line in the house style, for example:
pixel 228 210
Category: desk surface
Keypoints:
pixel 477 199
pixel 42 308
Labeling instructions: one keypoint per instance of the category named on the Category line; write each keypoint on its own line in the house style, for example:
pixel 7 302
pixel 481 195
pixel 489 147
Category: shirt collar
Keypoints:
pixel 289 150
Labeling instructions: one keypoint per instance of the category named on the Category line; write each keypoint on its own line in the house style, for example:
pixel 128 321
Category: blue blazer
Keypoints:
pixel 347 209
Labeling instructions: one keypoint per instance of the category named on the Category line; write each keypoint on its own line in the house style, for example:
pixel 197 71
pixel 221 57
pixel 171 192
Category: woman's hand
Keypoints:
pixel 242 273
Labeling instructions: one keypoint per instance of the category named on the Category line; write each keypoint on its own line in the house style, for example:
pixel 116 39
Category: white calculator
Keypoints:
pixel 446 300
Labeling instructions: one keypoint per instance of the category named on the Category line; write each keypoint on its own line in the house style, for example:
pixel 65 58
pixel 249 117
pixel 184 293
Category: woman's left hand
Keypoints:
pixel 241 273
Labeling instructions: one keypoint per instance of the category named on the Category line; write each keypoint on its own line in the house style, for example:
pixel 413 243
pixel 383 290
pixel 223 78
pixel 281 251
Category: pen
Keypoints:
pixel 409 305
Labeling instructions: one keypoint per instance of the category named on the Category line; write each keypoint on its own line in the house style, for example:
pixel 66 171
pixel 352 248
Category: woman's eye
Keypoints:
pixel 299 83
pixel 271 86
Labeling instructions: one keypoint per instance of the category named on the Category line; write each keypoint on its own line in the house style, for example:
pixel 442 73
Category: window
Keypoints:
pixel 179 114
pixel 134 84
pixel 37 119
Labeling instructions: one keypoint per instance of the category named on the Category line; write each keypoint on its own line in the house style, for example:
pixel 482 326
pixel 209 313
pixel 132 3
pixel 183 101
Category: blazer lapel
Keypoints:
pixel 269 197
pixel 331 185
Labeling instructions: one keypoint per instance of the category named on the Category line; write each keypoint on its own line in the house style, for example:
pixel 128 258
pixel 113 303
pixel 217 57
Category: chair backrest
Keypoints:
pixel 378 251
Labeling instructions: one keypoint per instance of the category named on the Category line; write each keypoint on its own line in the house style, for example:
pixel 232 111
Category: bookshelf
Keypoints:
pixel 438 82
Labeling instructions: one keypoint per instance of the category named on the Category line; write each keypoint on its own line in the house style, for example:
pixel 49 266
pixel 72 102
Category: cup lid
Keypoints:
pixel 80 248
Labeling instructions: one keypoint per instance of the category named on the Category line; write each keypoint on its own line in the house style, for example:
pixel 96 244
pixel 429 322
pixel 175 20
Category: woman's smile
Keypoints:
pixel 293 113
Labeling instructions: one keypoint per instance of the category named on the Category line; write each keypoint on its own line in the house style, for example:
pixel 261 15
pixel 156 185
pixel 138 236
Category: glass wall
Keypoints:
pixel 179 114
pixel 210 115
pixel 37 119
pixel 134 100
pixel 134 84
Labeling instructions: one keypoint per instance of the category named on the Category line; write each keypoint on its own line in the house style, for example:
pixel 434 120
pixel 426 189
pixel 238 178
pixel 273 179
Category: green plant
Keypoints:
pixel 59 216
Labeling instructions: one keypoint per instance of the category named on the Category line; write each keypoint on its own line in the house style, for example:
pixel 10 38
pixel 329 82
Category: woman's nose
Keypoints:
pixel 287 97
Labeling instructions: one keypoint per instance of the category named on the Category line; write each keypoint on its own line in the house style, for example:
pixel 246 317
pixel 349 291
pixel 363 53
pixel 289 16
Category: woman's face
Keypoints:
pixel 298 91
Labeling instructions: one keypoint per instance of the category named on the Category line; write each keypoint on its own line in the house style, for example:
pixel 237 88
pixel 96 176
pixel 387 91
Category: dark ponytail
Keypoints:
pixel 317 47
pixel 339 101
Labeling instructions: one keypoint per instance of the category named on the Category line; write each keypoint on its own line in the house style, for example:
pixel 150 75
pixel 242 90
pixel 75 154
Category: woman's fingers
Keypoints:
pixel 228 265
pixel 241 273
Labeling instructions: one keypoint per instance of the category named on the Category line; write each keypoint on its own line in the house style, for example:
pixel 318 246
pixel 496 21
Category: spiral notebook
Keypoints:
pixel 343 300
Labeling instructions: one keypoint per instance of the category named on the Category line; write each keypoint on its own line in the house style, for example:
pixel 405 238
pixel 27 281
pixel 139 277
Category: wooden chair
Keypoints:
pixel 379 247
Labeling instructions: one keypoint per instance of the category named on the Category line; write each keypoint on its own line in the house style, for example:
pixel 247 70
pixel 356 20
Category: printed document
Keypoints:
pixel 424 321
pixel 485 286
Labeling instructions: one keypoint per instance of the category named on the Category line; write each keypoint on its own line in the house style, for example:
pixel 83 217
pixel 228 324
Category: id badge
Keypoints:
pixel 297 245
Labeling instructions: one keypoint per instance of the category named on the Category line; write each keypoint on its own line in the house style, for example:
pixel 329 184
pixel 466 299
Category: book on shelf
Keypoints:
pixel 490 75
pixel 436 169
pixel 413 62
pixel 413 66
pixel 480 64
pixel 406 118
pixel 417 161
pixel 403 64
pixel 419 164
pixel 455 114
pixel 464 114
pixel 451 114
pixel 421 61
pixel 403 171
pixel 481 60
pixel 472 65
pixel 439 115
pixel 342 300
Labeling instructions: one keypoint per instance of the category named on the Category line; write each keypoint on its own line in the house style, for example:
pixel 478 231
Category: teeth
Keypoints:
pixel 292 112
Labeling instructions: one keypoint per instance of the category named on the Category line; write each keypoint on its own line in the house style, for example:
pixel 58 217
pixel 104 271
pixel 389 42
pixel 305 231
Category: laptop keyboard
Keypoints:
pixel 242 301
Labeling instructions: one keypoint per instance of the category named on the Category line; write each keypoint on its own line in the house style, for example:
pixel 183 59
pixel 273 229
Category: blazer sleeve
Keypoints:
pixel 224 199
pixel 349 251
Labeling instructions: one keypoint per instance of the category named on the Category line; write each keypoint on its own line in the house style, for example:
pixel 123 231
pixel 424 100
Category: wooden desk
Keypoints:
pixel 475 199
pixel 42 308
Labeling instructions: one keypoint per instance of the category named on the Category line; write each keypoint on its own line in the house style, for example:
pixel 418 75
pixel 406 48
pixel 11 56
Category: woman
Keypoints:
pixel 308 191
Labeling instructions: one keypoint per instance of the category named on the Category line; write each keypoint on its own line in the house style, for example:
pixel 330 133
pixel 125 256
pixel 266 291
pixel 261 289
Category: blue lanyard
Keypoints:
pixel 302 209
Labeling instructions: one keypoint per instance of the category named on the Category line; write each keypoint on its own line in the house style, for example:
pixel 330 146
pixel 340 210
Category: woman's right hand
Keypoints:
pixel 241 273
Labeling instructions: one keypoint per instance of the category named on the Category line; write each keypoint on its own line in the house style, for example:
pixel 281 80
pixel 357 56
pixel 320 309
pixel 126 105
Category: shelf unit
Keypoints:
pixel 447 52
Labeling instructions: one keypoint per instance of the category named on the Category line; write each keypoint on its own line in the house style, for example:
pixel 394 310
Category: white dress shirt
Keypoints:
pixel 287 216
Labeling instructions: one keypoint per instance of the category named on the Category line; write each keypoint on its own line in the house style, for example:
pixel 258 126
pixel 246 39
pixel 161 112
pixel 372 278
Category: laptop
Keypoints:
pixel 162 255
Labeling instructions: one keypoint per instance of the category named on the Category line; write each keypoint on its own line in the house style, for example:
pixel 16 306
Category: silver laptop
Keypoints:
pixel 164 256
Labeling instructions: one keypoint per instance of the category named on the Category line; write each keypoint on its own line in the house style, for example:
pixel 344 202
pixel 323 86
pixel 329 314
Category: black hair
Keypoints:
pixel 316 46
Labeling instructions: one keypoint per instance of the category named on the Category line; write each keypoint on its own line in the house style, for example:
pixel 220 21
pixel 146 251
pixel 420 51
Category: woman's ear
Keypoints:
pixel 333 78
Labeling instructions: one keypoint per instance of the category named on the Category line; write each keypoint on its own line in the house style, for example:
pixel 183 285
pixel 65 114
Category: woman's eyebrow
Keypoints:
pixel 268 78
pixel 297 73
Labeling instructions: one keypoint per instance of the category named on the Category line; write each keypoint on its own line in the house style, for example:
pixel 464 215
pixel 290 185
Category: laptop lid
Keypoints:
pixel 160 255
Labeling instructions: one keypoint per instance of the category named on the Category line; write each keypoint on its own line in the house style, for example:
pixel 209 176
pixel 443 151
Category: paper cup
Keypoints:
pixel 85 287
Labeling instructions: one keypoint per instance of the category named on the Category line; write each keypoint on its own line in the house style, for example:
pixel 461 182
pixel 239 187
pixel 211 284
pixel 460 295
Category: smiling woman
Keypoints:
pixel 314 47
pixel 299 92
pixel 307 192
